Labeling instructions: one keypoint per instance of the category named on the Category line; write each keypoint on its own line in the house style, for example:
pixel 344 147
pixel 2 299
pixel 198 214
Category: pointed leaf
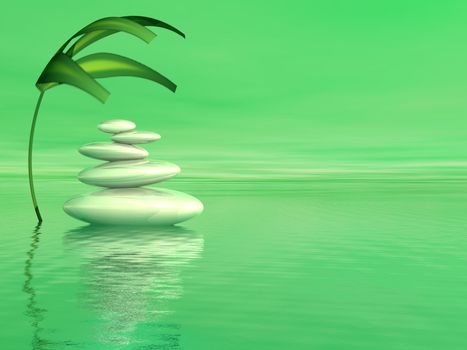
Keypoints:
pixel 104 65
pixel 152 22
pixel 63 70
pixel 91 37
pixel 113 25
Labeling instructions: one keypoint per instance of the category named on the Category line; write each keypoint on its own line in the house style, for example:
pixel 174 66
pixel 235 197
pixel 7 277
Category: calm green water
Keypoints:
pixel 327 140
pixel 309 265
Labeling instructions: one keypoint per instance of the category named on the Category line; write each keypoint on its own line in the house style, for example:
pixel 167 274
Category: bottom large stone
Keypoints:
pixel 134 206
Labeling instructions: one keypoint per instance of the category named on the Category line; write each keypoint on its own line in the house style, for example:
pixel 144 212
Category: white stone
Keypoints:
pixel 136 137
pixel 113 151
pixel 134 206
pixel 132 173
pixel 116 125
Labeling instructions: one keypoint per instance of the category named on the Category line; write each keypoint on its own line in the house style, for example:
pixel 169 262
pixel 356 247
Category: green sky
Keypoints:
pixel 283 87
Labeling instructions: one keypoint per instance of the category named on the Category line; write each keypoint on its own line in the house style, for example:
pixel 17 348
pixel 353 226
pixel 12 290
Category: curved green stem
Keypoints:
pixel 31 140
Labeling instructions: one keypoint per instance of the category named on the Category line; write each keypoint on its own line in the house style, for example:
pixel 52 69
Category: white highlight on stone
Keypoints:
pixel 116 125
pixel 136 137
pixel 113 151
pixel 134 206
pixel 132 173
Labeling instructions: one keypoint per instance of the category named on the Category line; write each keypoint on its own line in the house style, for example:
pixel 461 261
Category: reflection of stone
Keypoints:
pixel 130 276
pixel 124 203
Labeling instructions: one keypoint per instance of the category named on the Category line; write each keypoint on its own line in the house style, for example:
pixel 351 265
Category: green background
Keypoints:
pixel 279 89
pixel 326 140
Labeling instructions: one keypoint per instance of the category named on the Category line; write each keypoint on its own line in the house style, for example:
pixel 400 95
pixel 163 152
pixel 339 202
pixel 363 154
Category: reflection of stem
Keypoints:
pixel 34 312
pixel 31 140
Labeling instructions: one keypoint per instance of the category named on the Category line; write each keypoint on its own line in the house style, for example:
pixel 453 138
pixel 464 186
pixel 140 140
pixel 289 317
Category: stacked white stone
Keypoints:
pixel 126 170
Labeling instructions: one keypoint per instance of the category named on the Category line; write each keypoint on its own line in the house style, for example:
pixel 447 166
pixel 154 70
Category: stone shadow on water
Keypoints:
pixel 130 275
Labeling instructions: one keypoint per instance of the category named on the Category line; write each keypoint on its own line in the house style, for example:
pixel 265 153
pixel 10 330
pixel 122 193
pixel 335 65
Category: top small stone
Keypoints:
pixel 115 126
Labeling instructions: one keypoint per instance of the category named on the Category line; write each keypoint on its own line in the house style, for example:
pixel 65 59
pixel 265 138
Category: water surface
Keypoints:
pixel 309 265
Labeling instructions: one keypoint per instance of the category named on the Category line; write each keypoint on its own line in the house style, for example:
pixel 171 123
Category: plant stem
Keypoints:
pixel 31 140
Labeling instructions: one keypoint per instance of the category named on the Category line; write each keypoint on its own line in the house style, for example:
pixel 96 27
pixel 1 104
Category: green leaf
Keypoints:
pixel 88 39
pixel 108 25
pixel 104 65
pixel 63 70
pixel 93 36
pixel 152 22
